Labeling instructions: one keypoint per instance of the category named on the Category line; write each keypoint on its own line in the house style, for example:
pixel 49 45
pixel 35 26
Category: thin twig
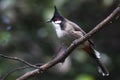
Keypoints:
pixel 7 74
pixel 71 47
pixel 18 59
pixel 17 69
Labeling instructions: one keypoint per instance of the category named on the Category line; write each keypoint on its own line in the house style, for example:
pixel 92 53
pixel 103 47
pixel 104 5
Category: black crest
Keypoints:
pixel 56 15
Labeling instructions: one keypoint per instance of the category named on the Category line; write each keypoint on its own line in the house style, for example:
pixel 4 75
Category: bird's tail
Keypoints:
pixel 101 67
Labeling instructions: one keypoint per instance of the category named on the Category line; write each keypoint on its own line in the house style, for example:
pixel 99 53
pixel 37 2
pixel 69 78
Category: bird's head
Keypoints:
pixel 57 18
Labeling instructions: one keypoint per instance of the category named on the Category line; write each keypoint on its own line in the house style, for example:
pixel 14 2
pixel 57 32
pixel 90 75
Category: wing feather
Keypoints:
pixel 77 28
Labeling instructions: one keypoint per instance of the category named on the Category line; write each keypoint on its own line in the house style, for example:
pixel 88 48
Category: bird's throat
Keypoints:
pixel 59 31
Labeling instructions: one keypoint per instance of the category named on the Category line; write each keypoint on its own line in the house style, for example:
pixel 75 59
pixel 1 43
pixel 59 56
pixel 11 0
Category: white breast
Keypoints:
pixel 60 33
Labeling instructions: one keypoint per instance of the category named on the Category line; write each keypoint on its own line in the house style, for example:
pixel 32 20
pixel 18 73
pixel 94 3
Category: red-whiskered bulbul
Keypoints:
pixel 67 32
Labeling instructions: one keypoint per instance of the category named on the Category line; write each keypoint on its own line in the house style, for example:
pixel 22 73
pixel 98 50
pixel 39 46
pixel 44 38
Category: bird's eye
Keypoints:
pixel 56 19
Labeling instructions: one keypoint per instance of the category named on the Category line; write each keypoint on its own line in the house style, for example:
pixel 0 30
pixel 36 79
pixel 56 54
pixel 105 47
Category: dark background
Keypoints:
pixel 24 33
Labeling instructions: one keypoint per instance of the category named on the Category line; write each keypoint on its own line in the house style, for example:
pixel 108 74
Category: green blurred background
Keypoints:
pixel 24 33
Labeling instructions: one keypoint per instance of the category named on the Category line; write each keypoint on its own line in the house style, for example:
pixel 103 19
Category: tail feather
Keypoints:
pixel 101 68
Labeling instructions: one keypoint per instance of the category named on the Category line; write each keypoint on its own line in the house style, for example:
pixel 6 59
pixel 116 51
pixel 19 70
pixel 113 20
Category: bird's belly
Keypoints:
pixel 67 40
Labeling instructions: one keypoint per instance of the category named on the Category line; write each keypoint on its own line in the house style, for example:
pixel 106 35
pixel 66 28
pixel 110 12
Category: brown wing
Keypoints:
pixel 77 28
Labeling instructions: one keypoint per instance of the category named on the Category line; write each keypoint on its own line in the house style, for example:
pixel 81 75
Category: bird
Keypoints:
pixel 68 31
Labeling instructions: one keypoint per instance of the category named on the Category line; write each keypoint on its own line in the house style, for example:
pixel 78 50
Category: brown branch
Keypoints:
pixel 18 59
pixel 71 47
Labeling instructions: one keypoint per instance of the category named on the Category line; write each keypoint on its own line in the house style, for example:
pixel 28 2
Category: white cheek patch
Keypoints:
pixel 58 22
